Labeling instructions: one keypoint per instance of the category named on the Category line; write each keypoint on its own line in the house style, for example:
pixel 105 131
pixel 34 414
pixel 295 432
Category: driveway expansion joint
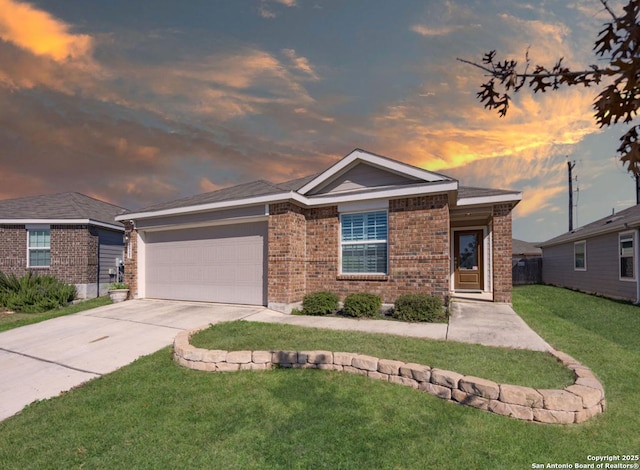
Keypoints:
pixel 138 322
pixel 40 359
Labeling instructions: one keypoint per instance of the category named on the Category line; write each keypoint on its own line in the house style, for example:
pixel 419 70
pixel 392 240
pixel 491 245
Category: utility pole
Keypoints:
pixel 571 166
pixel 637 178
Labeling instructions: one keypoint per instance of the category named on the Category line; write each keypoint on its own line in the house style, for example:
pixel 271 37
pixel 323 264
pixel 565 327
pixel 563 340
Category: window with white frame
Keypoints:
pixel 625 241
pixel 580 256
pixel 39 247
pixel 363 242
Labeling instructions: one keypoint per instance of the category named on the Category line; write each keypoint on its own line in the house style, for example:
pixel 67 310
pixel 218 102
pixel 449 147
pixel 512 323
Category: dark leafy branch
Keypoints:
pixel 618 43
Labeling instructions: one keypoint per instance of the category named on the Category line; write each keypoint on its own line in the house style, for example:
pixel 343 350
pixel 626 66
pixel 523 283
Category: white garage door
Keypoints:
pixel 212 264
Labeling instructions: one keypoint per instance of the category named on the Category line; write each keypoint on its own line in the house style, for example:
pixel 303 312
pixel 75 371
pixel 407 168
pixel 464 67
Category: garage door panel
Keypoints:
pixel 213 264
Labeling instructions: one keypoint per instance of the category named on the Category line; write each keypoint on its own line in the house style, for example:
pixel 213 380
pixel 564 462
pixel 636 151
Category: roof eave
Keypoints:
pixel 495 199
pixel 62 222
pixel 578 234
pixel 267 199
pixel 429 188
pixel 394 193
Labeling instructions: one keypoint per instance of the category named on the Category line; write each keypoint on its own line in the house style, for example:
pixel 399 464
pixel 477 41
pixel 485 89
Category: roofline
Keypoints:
pixel 579 235
pixel 61 222
pixel 438 187
pixel 472 201
pixel 359 154
pixel 269 198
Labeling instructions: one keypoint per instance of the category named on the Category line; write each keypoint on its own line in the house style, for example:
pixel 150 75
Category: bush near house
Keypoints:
pixel 319 303
pixel 32 293
pixel 419 307
pixel 362 305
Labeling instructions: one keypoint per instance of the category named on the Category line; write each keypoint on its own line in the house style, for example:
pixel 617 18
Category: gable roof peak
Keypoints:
pixel 359 156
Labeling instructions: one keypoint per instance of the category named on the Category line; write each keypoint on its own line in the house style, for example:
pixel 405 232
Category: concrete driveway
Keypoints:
pixel 40 361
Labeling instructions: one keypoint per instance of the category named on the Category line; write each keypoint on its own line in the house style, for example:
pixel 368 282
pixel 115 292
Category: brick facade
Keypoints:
pixel 286 253
pixel 303 252
pixel 74 253
pixel 302 261
pixel 13 249
pixel 502 252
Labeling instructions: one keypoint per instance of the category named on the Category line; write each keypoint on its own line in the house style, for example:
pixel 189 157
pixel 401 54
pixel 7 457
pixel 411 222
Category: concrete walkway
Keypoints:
pixel 42 360
pixel 491 324
pixel 477 322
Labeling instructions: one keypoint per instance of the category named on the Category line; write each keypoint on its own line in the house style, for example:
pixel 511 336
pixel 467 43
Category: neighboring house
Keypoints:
pixel 521 249
pixel 366 224
pixel 598 258
pixel 526 263
pixel 69 235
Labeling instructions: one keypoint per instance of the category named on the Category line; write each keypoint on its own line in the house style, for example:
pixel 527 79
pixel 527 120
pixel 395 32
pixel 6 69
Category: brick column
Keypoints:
pixel 286 253
pixel 131 260
pixel 502 252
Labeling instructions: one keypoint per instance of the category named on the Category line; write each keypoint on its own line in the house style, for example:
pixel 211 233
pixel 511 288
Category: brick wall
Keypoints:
pixel 502 240
pixel 418 253
pixel 13 249
pixel 131 260
pixel 323 242
pixel 419 245
pixel 286 253
pixel 74 252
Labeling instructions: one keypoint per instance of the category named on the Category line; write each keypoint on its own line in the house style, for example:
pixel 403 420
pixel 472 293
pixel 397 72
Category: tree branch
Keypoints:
pixel 595 70
pixel 606 7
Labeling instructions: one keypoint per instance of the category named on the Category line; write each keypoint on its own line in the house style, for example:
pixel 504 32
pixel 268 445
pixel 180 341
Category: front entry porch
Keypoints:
pixel 471 275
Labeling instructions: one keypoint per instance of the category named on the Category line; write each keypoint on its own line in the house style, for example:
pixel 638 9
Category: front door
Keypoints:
pixel 468 260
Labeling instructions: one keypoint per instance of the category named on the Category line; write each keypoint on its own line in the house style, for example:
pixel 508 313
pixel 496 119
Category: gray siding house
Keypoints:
pixel 599 258
pixel 68 235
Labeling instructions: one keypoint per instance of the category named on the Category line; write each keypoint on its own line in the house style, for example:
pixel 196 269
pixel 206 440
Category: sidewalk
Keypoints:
pixel 487 323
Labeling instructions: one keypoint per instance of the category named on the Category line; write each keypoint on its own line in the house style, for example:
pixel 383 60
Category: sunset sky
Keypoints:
pixel 143 101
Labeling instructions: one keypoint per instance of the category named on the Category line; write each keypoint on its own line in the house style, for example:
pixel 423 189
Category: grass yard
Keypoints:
pixel 528 368
pixel 9 321
pixel 154 414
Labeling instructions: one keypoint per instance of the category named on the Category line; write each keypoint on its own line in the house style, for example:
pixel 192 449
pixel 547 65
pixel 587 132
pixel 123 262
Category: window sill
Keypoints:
pixel 363 277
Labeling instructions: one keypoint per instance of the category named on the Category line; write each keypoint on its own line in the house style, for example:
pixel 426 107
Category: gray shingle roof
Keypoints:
pixel 522 248
pixel 241 191
pixel 264 188
pixel 298 183
pixel 627 218
pixel 59 206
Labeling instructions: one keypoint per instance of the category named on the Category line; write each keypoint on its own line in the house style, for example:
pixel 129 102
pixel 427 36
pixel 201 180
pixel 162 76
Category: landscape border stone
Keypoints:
pixel 576 403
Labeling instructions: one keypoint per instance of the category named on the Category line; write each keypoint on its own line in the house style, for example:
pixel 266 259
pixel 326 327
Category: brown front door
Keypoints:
pixel 468 260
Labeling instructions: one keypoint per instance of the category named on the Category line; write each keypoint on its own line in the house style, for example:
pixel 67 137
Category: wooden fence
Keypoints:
pixel 526 271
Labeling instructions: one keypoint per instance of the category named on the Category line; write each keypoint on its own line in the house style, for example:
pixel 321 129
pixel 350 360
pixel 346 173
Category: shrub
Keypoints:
pixel 419 307
pixel 319 303
pixel 34 294
pixel 362 305
pixel 118 285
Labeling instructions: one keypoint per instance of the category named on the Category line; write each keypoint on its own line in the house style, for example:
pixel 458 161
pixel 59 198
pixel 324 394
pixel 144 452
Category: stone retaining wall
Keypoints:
pixel 574 404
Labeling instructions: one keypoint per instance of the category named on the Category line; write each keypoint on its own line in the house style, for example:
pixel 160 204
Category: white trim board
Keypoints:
pixel 61 222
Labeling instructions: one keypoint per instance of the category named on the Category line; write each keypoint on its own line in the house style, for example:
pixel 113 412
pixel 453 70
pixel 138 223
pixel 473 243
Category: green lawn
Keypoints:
pixel 528 368
pixel 154 414
pixel 14 320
